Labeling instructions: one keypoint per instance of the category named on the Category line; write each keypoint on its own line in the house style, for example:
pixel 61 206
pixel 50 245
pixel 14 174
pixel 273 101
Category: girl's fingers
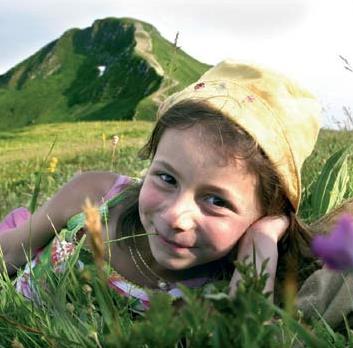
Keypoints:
pixel 272 226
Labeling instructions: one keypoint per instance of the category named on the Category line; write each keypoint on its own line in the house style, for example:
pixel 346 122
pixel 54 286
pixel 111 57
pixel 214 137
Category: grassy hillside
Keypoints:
pixel 96 73
pixel 80 146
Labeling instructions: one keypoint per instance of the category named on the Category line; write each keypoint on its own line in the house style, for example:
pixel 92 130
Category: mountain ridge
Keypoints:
pixel 118 68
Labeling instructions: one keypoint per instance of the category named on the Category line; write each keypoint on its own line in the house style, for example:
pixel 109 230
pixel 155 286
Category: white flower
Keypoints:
pixel 115 140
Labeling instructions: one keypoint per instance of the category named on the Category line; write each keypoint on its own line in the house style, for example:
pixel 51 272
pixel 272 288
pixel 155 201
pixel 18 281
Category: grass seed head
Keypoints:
pixel 16 343
pixel 290 293
pixel 70 307
pixel 86 289
pixel 94 229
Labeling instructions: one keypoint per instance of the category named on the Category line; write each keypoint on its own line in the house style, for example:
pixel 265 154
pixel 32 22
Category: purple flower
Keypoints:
pixel 336 248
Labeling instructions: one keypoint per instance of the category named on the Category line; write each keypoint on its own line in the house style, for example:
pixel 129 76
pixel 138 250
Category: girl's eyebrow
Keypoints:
pixel 222 191
pixel 166 165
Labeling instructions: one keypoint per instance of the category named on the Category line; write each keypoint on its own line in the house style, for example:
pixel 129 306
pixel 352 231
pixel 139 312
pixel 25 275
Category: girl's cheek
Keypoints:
pixel 224 243
pixel 150 196
pixel 225 237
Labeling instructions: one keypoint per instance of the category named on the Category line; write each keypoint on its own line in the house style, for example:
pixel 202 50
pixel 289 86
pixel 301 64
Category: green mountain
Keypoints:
pixel 115 69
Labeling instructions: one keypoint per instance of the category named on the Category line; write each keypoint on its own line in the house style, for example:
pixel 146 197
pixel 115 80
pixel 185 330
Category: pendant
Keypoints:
pixel 162 285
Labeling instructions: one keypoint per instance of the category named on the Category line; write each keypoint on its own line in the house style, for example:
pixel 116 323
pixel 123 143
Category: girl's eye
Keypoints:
pixel 217 201
pixel 168 179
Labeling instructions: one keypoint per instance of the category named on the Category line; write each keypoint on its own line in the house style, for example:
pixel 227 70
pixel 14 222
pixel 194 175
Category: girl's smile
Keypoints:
pixel 198 205
pixel 172 245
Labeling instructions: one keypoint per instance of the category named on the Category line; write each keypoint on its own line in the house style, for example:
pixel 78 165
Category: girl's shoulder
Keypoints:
pixel 97 182
pixel 69 199
pixel 109 197
pixel 119 184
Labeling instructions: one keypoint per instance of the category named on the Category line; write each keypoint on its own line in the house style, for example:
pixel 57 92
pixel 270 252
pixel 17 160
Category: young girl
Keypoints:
pixel 226 154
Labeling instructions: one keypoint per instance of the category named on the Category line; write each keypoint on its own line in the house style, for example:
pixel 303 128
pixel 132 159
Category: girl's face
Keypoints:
pixel 197 205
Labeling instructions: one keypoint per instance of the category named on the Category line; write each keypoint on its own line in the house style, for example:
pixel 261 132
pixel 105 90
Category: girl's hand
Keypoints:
pixel 264 235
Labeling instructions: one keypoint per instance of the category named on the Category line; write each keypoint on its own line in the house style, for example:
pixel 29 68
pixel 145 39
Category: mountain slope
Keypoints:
pixel 115 69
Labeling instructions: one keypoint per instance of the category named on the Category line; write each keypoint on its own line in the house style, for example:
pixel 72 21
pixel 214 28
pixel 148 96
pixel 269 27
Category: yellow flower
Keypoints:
pixel 52 165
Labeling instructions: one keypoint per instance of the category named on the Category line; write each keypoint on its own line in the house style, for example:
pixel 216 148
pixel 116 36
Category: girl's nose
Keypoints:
pixel 180 215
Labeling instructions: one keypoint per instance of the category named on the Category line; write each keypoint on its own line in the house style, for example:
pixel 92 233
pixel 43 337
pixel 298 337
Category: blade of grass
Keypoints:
pixel 39 174
pixel 330 187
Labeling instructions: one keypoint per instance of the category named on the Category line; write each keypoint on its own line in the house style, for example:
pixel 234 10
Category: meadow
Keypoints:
pixel 85 313
pixel 78 147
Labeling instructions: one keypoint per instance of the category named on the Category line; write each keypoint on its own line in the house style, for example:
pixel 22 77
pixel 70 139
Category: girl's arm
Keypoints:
pixel 38 230
pixel 264 234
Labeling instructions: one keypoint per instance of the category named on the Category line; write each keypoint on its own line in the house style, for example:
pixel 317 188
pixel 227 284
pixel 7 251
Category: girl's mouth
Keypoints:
pixel 173 245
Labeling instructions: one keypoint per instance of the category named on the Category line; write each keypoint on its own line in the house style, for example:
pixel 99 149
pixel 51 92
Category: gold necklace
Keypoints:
pixel 162 283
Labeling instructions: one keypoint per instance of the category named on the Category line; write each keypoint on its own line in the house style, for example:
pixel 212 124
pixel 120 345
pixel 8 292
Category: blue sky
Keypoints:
pixel 301 38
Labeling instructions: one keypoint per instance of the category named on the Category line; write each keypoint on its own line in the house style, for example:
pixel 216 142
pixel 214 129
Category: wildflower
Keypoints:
pixel 94 229
pixel 115 140
pixel 52 165
pixel 336 249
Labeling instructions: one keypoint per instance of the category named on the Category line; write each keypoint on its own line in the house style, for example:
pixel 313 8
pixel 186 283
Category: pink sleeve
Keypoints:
pixel 14 219
pixel 120 183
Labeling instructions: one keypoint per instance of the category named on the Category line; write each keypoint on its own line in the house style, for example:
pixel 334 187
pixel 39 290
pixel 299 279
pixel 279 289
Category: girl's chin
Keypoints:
pixel 171 264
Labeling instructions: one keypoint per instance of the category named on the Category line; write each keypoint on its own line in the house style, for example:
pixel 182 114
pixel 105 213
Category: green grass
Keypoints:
pixel 78 147
pixel 84 312
pixel 329 142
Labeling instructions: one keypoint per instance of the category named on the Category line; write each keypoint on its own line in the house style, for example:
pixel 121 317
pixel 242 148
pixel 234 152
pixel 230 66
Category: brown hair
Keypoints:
pixel 234 143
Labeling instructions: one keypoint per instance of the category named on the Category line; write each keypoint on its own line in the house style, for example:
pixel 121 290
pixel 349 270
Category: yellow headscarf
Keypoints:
pixel 276 112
